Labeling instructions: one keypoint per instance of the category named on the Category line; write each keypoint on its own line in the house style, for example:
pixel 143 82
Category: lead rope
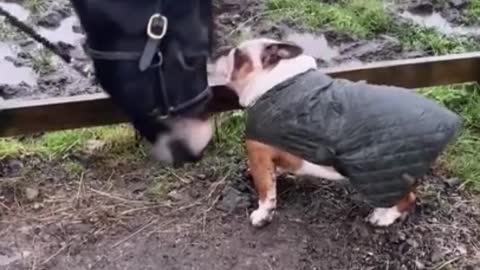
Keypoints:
pixel 40 39
pixel 52 47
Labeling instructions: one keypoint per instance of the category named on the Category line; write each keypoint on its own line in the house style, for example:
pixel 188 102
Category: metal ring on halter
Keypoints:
pixel 157 20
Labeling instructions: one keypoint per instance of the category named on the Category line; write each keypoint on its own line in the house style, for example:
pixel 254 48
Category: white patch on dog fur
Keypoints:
pixel 325 172
pixel 384 216
pixel 259 81
pixel 265 81
pixel 266 209
pixel 194 132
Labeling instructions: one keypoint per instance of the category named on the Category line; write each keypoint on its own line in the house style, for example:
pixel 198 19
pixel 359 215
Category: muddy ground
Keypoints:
pixel 117 214
pixel 34 74
pixel 93 211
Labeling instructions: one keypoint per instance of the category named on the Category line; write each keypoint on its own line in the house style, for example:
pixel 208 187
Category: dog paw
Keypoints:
pixel 384 216
pixel 261 216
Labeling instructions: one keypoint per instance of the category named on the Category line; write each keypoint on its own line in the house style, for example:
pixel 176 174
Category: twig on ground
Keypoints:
pixel 205 213
pixel 80 190
pixel 130 211
pixel 104 194
pixel 136 232
pixel 5 206
pixel 109 181
pixel 183 180
pixel 445 264
pixel 60 250
pixel 10 180
pixel 213 188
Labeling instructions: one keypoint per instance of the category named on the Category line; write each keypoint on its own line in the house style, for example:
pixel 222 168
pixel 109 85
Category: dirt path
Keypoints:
pixel 103 219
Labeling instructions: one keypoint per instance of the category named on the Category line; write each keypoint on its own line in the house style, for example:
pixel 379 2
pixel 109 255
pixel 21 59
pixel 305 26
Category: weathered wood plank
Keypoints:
pixel 416 73
pixel 24 117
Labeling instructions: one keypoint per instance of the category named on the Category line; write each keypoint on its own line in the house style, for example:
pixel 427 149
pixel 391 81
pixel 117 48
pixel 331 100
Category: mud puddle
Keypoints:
pixel 64 33
pixel 441 24
pixel 16 10
pixel 12 73
pixel 314 45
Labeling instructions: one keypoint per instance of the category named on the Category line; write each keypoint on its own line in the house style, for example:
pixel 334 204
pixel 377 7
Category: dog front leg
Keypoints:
pixel 262 170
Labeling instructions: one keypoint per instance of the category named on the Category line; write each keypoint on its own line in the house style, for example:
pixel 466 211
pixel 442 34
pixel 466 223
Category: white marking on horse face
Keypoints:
pixel 384 216
pixel 194 133
pixel 161 150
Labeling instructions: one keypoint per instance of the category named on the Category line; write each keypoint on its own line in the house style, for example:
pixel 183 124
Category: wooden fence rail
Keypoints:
pixel 25 117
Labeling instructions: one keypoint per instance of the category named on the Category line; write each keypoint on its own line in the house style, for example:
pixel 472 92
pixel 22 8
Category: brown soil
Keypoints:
pixel 128 214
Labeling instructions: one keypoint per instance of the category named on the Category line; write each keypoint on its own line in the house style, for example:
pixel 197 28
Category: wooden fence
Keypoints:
pixel 19 117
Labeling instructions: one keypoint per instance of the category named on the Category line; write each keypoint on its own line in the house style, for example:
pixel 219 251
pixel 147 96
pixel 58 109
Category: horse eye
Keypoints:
pixel 190 62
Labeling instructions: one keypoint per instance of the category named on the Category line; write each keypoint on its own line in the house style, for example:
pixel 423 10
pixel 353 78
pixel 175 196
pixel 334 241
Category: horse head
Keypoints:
pixel 151 58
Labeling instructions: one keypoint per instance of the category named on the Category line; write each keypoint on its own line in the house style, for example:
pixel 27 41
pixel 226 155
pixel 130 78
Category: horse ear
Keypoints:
pixel 274 52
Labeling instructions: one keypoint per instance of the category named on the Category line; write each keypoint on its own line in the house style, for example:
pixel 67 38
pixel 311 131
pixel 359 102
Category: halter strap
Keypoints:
pixel 156 30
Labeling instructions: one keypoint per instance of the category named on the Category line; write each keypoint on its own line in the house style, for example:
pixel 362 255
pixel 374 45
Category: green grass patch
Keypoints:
pixel 473 11
pixel 462 157
pixel 36 6
pixel 366 19
pixel 429 40
pixel 42 62
pixel 362 18
pixel 230 131
pixel 111 140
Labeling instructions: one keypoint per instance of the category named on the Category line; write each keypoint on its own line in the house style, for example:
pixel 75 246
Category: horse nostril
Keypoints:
pixel 183 154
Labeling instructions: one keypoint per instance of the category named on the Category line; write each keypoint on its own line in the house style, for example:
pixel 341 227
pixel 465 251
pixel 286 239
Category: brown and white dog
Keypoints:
pixel 251 69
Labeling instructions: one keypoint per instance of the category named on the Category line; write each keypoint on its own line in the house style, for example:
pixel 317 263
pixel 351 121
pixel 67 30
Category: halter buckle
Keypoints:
pixel 157 26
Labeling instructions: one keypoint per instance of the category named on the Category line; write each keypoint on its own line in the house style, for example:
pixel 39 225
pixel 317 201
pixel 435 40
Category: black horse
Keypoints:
pixel 151 57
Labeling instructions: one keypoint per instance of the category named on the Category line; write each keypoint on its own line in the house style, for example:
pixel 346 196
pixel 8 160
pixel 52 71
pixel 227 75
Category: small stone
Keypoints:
pixel 31 193
pixel 462 250
pixel 419 265
pixel 437 255
pixel 233 199
pixel 452 181
pixel 37 206
pixel 413 243
pixel 174 195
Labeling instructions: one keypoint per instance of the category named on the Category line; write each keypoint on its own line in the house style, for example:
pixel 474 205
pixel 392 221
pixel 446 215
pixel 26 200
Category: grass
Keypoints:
pixel 473 11
pixel 42 62
pixel 36 6
pixel 115 140
pixel 461 157
pixel 366 19
pixel 363 18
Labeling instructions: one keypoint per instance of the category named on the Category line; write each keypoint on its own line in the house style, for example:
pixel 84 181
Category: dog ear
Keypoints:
pixel 274 52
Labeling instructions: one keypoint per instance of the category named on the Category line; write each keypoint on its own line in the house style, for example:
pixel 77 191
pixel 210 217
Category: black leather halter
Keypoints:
pixel 157 28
